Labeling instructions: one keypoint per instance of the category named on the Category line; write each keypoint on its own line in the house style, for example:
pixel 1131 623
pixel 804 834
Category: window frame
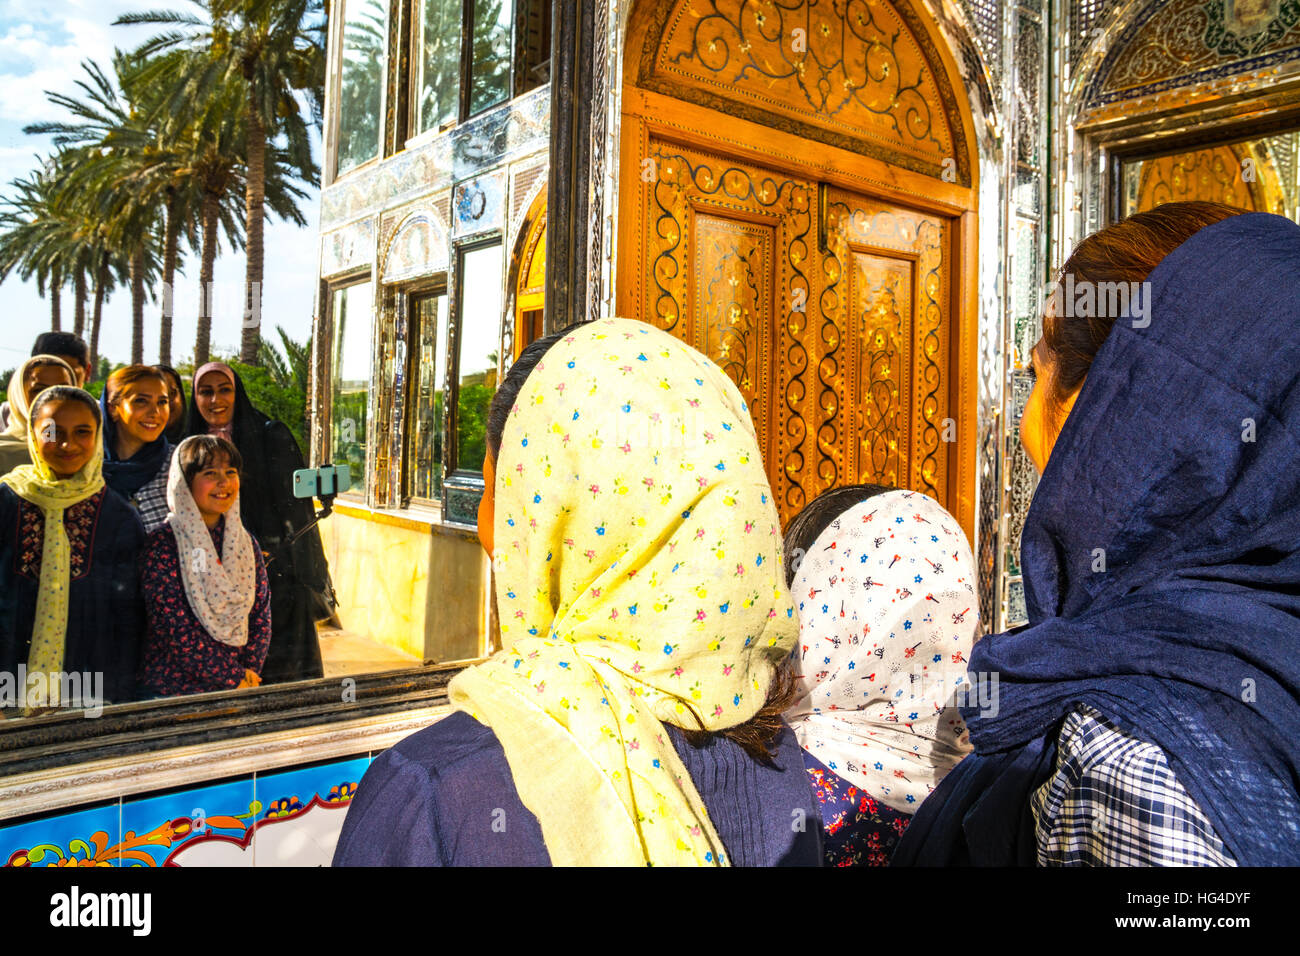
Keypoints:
pixel 338 29
pixel 437 285
pixel 457 480
pixel 1119 152
pixel 520 78
pixel 467 59
pixel 141 729
pixel 339 284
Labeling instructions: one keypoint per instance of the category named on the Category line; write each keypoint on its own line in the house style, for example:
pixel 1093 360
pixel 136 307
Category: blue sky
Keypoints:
pixel 42 48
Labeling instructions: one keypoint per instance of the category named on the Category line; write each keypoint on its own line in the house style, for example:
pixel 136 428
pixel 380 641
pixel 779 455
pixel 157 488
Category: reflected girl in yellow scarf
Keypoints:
pixel 69 590
pixel 31 378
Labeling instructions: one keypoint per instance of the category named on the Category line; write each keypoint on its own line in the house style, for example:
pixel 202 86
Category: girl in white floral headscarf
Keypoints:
pixel 887 611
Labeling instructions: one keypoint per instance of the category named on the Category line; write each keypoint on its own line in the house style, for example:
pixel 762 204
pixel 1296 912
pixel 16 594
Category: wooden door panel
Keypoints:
pixel 726 244
pixel 896 315
pixel 732 309
pixel 880 331
pixel 836 333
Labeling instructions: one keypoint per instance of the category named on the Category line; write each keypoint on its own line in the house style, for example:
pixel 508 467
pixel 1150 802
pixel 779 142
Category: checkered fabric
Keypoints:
pixel 1113 801
pixel 151 500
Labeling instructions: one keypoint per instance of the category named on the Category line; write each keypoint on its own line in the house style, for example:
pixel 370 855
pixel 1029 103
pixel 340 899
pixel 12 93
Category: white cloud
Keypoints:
pixel 57 65
pixel 43 49
pixel 17 161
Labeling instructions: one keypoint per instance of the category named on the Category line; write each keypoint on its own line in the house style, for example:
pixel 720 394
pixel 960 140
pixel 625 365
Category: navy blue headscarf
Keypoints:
pixel 126 476
pixel 1181 462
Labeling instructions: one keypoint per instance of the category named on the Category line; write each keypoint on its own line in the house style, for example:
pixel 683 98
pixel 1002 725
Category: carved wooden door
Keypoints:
pixel 797 200
pixel 827 309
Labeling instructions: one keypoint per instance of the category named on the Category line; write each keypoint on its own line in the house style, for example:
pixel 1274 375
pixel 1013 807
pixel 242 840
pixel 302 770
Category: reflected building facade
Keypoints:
pixel 853 208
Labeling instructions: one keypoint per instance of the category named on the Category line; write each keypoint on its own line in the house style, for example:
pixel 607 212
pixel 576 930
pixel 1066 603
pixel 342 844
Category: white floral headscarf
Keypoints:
pixel 888 614
pixel 220 588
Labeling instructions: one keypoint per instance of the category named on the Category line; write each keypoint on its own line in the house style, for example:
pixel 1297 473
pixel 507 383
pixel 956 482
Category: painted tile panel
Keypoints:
pixel 285 818
pixel 89 837
pixel 303 811
pixel 158 827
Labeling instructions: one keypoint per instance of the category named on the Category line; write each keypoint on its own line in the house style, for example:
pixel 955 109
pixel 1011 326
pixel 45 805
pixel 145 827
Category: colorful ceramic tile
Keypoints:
pixel 156 828
pixel 513 130
pixel 302 812
pixel 347 248
pixel 87 837
pixel 419 248
pixel 478 205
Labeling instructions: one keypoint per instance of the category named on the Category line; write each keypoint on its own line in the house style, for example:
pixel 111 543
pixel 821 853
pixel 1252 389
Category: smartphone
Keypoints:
pixel 304 482
pixel 327 480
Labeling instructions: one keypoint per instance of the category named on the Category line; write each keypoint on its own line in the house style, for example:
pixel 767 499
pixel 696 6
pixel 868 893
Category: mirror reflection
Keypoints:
pixel 1261 174
pixel 153 543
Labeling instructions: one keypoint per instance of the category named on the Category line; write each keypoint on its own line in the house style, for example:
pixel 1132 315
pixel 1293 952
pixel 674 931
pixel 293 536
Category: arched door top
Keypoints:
pixel 866 77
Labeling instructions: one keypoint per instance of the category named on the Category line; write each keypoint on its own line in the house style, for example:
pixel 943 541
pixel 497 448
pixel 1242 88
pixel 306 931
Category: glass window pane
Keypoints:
pixel 439 64
pixel 480 327
pixel 351 380
pixel 490 57
pixel 365 27
pixel 429 380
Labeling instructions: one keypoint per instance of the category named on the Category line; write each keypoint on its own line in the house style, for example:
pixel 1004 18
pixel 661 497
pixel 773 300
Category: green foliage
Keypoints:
pixel 349 438
pixel 103 370
pixel 472 408
pixel 288 371
pixel 279 387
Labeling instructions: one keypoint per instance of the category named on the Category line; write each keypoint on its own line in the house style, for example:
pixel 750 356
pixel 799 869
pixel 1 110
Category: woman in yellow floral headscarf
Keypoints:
pixel 31 378
pixel 639 585
pixel 70 599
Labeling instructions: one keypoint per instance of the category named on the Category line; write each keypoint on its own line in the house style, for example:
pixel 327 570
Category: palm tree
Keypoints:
pixel 202 171
pixel 114 172
pixel 166 167
pixel 105 281
pixel 118 199
pixel 207 140
pixel 212 143
pixel 289 371
pixel 276 50
pixel 31 240
pixel 48 236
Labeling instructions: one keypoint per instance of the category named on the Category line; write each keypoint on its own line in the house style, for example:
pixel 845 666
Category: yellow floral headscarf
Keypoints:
pixel 38 484
pixel 13 440
pixel 638 580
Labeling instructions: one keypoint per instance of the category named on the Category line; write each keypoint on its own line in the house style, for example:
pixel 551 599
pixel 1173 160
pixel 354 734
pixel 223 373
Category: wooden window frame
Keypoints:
pixel 528 70
pixel 352 495
pixel 334 92
pixel 456 480
pixel 426 289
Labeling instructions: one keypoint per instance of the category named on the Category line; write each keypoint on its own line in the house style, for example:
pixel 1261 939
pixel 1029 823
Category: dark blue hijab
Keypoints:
pixel 129 475
pixel 1190 638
